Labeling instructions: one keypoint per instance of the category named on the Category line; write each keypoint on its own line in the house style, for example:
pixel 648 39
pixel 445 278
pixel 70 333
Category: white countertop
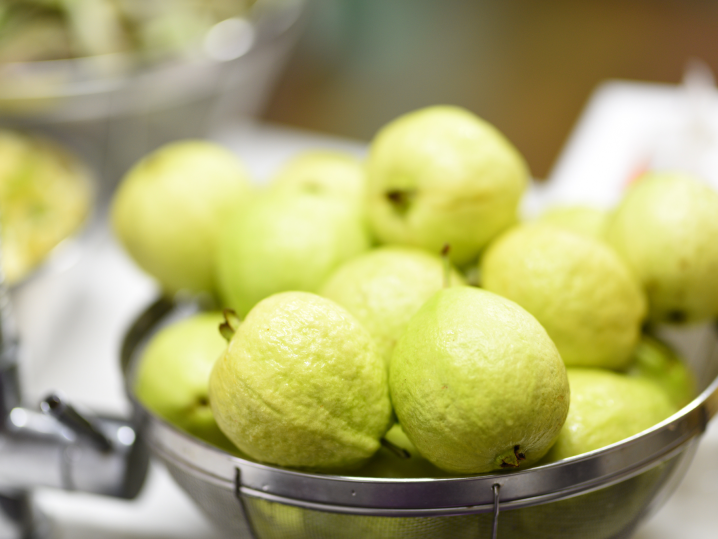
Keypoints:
pixel 73 317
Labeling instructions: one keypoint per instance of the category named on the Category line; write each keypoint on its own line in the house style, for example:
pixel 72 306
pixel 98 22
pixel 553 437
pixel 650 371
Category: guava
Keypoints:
pixel 272 519
pixel 326 525
pixel 607 407
pixel 586 220
pixel 172 377
pixel 284 241
pixel 302 385
pixel 170 207
pixel 577 287
pixel 655 360
pixel 665 228
pixel 336 175
pixel 603 514
pixel 477 384
pixel 45 196
pixel 387 464
pixel 384 287
pixel 442 175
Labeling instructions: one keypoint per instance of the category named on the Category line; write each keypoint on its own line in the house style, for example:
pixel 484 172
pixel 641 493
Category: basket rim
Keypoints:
pixel 410 496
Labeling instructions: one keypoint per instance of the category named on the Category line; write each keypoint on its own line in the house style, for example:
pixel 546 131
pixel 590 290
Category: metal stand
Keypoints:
pixel 56 447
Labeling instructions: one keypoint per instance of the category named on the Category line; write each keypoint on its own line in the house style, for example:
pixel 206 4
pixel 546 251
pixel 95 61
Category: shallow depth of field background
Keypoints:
pixel 527 66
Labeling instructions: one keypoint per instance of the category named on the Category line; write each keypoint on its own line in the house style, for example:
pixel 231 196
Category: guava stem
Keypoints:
pixel 226 328
pixel 512 459
pixel 398 451
pixel 401 200
pixel 447 264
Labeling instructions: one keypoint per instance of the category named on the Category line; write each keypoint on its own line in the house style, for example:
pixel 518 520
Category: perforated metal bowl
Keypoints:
pixel 599 495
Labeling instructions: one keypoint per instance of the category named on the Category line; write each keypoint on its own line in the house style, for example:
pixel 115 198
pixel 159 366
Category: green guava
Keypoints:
pixel 272 520
pixel 603 514
pixel 336 175
pixel 384 287
pixel 665 228
pixel 302 385
pixel 172 377
pixel 477 384
pixel 387 464
pixel 284 241
pixel 576 286
pixel 607 407
pixel 655 360
pixel 170 207
pixel 585 220
pixel 441 175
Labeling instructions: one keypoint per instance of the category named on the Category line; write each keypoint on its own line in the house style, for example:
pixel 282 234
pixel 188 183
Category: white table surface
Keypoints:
pixel 73 317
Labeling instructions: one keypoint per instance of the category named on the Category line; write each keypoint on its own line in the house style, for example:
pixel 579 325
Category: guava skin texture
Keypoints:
pixel 384 287
pixel 665 228
pixel 585 220
pixel 576 286
pixel 607 407
pixel 477 384
pixel 655 360
pixel 172 377
pixel 302 385
pixel 170 207
pixel 335 175
pixel 441 175
pixel 284 241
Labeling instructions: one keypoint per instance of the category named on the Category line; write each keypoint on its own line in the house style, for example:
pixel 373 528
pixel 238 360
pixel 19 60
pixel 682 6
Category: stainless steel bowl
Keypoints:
pixel 113 114
pixel 602 494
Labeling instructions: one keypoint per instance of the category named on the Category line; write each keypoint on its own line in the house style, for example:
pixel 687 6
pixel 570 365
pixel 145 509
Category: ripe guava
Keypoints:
pixel 170 207
pixel 477 384
pixel 302 385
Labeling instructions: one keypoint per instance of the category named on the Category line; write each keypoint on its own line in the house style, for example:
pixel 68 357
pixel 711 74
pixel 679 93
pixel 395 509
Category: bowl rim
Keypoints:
pixel 563 479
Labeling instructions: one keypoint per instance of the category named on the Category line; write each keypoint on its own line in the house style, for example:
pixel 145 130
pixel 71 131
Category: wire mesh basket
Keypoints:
pixel 604 494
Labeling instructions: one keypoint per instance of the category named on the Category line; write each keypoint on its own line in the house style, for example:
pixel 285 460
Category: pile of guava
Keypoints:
pixel 393 316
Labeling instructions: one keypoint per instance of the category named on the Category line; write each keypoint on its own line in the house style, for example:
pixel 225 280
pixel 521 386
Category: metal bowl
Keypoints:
pixel 602 494
pixel 112 113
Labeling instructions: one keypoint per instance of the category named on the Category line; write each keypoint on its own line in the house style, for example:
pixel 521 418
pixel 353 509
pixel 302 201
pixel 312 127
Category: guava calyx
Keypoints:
pixel 401 199
pixel 398 451
pixel 512 458
pixel 231 322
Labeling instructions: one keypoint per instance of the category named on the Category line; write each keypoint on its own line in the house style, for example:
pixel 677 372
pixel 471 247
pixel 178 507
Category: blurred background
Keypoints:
pixel 528 67
pixel 345 68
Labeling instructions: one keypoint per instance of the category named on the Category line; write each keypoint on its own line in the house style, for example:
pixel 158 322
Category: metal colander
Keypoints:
pixel 604 494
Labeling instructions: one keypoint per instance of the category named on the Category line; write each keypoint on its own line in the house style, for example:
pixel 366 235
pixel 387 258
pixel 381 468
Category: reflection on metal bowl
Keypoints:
pixel 602 494
pixel 113 114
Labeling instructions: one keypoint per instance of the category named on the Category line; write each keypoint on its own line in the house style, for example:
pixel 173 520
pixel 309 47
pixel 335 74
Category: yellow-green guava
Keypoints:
pixel 387 464
pixel 576 286
pixel 665 228
pixel 607 407
pixel 384 287
pixel 284 241
pixel 655 360
pixel 586 220
pixel 477 384
pixel 302 385
pixel 172 377
pixel 441 175
pixel 337 175
pixel 272 520
pixel 170 207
